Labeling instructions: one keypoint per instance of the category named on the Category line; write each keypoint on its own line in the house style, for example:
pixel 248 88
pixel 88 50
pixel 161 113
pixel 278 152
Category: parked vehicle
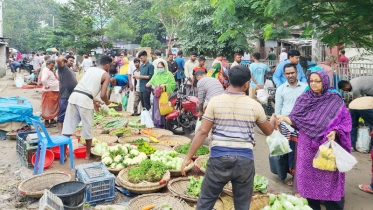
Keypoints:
pixel 183 119
pixel 25 65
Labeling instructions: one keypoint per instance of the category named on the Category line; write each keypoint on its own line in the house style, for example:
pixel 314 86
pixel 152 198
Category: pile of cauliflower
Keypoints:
pixel 122 156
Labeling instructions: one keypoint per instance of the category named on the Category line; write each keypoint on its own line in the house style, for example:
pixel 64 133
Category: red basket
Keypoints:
pixel 80 152
pixel 56 151
pixel 49 158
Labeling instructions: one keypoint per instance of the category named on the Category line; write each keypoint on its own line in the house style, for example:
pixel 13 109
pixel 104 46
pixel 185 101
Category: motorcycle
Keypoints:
pixel 184 118
pixel 26 66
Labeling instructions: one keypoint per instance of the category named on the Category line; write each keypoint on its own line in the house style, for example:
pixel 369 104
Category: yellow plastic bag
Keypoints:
pixel 164 107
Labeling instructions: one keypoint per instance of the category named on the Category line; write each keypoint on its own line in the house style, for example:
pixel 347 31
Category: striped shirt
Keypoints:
pixel 208 87
pixel 234 116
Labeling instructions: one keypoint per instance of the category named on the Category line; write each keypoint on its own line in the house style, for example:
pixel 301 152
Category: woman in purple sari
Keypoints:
pixel 319 115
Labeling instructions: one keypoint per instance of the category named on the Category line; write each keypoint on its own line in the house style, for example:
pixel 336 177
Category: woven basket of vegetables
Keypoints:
pixel 120 132
pixel 34 187
pixel 201 162
pixel 148 177
pixel 174 140
pixel 183 149
pixel 94 141
pixel 172 160
pixel 161 147
pixel 107 138
pixel 132 139
pixel 187 188
pixel 95 131
pixel 260 186
pixel 156 132
pixel 157 201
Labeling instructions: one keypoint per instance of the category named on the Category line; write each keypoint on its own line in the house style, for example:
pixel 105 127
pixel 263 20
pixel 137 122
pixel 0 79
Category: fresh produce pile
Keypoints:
pixel 149 132
pixel 121 131
pixel 106 111
pixel 135 123
pixel 148 170
pixel 169 158
pixel 286 202
pixel 194 186
pixel 94 141
pixel 204 164
pixel 185 148
pixel 120 157
pixel 260 183
pixel 116 123
pixel 144 147
pixel 325 159
pixel 98 118
pixel 101 148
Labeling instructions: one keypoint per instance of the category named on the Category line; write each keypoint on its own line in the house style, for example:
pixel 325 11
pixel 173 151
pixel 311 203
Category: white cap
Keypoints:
pixel 283 49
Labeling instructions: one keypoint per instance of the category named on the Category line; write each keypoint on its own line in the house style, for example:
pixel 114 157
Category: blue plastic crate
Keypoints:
pixel 100 182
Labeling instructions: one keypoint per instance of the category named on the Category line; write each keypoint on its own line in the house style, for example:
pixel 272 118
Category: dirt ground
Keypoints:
pixel 12 173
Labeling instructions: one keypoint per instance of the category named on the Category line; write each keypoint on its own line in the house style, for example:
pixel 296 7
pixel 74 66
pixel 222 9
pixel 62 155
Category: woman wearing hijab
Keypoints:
pixel 217 70
pixel 319 115
pixel 166 81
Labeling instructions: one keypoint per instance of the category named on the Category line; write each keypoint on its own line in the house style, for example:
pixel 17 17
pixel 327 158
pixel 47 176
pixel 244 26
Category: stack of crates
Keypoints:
pixel 50 201
pixel 100 182
pixel 26 148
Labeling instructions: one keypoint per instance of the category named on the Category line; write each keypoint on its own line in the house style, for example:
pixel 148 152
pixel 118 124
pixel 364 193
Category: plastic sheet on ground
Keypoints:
pixel 11 111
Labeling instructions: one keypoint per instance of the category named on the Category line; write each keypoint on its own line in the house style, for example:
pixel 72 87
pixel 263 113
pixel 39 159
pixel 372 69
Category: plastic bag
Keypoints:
pixel 124 102
pixel 165 107
pixel 344 160
pixel 146 119
pixel 262 95
pixel 19 82
pixel 325 158
pixel 363 139
pixel 278 144
pixel 198 123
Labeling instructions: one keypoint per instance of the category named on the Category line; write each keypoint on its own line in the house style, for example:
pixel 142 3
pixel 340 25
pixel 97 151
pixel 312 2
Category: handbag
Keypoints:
pixel 157 91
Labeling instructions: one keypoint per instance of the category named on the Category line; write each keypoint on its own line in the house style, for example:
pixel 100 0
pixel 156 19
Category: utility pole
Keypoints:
pixel 2 44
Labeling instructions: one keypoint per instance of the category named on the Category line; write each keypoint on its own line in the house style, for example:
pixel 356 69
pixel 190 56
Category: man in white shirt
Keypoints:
pixel 188 70
pixel 158 55
pixel 283 55
pixel 87 63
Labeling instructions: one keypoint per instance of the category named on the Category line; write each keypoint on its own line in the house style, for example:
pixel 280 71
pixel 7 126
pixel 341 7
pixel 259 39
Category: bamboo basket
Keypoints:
pixel 174 140
pixel 176 173
pixel 157 199
pixel 160 132
pixel 198 162
pixel 142 187
pixel 178 187
pixel 34 187
pixel 258 202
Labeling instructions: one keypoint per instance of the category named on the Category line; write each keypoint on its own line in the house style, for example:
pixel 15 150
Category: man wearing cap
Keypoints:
pixel 283 55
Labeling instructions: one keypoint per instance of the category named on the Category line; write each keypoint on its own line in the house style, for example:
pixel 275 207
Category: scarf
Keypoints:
pixel 164 78
pixel 312 113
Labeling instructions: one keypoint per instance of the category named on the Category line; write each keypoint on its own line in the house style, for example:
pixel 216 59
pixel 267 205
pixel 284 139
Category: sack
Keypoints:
pixel 262 95
pixel 164 107
pixel 344 160
pixel 325 158
pixel 198 123
pixel 146 119
pixel 278 144
pixel 363 139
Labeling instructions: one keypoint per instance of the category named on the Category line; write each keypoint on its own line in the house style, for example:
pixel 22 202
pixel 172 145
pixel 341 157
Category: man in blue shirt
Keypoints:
pixel 146 73
pixel 180 75
pixel 258 71
pixel 293 58
pixel 286 95
pixel 119 80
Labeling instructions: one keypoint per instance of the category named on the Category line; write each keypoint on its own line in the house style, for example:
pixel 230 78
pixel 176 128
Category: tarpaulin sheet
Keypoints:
pixel 11 111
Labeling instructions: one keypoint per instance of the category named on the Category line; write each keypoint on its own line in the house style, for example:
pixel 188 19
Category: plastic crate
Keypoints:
pixel 28 152
pixel 21 141
pixel 100 182
pixel 50 201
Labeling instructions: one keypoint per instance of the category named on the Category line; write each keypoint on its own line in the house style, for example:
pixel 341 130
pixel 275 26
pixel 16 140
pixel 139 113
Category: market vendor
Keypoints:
pixel 231 157
pixel 119 80
pixel 359 86
pixel 83 101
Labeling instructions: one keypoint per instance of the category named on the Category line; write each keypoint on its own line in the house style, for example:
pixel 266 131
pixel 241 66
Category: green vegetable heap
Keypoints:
pixel 286 202
pixel 185 148
pixel 151 171
pixel 116 123
pixel 194 186
pixel 135 123
pixel 144 147
pixel 169 158
pixel 121 131
pixel 105 111
pixel 98 118
pixel 260 183
pixel 204 164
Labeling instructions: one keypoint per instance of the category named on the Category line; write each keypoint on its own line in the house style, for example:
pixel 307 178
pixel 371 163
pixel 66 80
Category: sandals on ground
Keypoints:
pixel 366 188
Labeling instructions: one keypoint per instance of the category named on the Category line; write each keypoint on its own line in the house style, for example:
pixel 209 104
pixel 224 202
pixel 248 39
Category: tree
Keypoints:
pixel 198 32
pixel 150 40
pixel 169 13
pixel 122 30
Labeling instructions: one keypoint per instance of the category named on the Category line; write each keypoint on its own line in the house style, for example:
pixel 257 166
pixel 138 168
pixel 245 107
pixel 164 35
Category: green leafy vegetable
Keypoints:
pixel 286 202
pixel 151 171
pixel 185 148
pixel 116 123
pixel 260 183
pixel 194 186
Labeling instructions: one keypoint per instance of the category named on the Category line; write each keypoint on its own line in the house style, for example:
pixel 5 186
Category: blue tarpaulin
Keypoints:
pixel 11 110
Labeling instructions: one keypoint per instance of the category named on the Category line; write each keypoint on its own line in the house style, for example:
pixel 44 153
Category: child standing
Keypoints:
pixel 136 88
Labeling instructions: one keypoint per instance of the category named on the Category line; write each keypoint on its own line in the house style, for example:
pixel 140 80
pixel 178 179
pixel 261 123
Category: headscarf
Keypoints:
pixel 165 77
pixel 313 112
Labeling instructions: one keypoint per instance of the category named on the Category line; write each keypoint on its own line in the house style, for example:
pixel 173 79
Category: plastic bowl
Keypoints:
pixel 56 151
pixel 80 152
pixel 49 158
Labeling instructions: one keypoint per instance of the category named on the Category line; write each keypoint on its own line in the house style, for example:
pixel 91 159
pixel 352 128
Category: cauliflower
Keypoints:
pixel 113 149
pixel 133 147
pixel 106 154
pixel 119 166
pixel 118 158
pixel 125 150
pixel 107 161
pixel 134 152
pixel 128 161
pixel 113 165
pixel 143 155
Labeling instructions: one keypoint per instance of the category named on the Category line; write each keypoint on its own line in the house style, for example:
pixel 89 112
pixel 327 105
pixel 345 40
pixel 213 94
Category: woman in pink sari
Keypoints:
pixel 217 70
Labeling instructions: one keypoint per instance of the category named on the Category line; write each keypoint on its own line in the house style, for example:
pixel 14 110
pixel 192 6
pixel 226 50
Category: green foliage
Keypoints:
pixel 150 40
pixel 125 30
